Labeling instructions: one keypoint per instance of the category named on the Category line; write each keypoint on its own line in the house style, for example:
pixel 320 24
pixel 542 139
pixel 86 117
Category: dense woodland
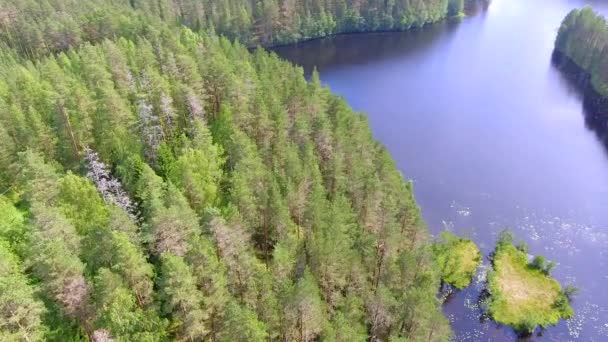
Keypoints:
pixel 35 27
pixel 583 38
pixel 158 183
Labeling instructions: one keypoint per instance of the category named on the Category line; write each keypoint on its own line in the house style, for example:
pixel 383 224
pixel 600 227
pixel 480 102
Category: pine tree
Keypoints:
pixel 21 310
pixel 181 299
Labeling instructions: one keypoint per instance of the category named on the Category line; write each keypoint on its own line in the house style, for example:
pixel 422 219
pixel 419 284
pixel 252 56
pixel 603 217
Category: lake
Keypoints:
pixel 493 136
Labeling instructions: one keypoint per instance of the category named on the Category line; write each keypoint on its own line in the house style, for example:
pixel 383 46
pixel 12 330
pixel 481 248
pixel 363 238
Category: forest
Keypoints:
pixel 583 39
pixel 35 27
pixel 160 182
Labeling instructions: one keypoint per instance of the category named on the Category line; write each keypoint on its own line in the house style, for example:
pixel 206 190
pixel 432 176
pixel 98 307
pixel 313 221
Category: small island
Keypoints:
pixel 522 293
pixel 457 258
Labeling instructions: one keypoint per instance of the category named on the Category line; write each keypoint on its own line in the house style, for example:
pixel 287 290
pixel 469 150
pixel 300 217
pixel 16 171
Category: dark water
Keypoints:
pixel 493 136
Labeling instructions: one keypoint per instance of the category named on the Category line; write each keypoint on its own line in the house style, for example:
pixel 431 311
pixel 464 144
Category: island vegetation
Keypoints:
pixel 522 293
pixel 457 259
pixel 582 40
pixel 159 183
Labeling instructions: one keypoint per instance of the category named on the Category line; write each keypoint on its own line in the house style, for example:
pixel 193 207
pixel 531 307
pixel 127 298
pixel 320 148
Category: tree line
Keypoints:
pixel 583 39
pixel 36 27
pixel 158 183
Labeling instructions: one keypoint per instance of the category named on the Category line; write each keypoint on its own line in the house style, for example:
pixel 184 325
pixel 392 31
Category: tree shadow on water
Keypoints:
pixel 476 7
pixel 594 106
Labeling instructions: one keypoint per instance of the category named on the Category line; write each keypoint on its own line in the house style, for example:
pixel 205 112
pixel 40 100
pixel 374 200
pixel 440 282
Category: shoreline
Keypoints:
pixel 594 103
pixel 595 106
pixel 471 8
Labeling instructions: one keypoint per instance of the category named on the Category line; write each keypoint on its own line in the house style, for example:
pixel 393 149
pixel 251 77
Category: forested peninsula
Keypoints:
pixel 35 27
pixel 159 182
pixel 582 41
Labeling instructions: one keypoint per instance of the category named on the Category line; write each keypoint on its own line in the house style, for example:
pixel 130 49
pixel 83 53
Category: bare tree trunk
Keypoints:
pixel 140 300
pixel 213 337
pixel 68 126
pixel 379 262
pixel 265 231
pixel 380 251
pixel 301 324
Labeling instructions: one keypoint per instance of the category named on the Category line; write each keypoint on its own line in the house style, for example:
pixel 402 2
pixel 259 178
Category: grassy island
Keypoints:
pixel 457 258
pixel 522 293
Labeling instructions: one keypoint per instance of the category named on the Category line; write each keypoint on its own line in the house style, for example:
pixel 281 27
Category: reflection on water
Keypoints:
pixel 595 108
pixel 359 48
pixel 493 136
pixel 596 122
pixel 476 7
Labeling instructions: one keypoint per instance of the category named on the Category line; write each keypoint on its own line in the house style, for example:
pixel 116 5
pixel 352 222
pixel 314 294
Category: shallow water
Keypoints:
pixel 493 136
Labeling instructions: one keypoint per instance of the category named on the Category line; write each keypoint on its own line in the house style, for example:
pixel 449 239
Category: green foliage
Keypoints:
pixel 583 37
pixel 228 197
pixel 43 29
pixel 457 258
pixel 523 294
pixel 523 247
pixel 12 223
pixel 119 313
pixel 243 325
pixel 20 309
pixel 505 238
pixel 181 299
pixel 81 204
pixel 540 263
pixel 527 326
pixel 305 312
pixel 455 7
pixel 197 171
pixel 570 291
